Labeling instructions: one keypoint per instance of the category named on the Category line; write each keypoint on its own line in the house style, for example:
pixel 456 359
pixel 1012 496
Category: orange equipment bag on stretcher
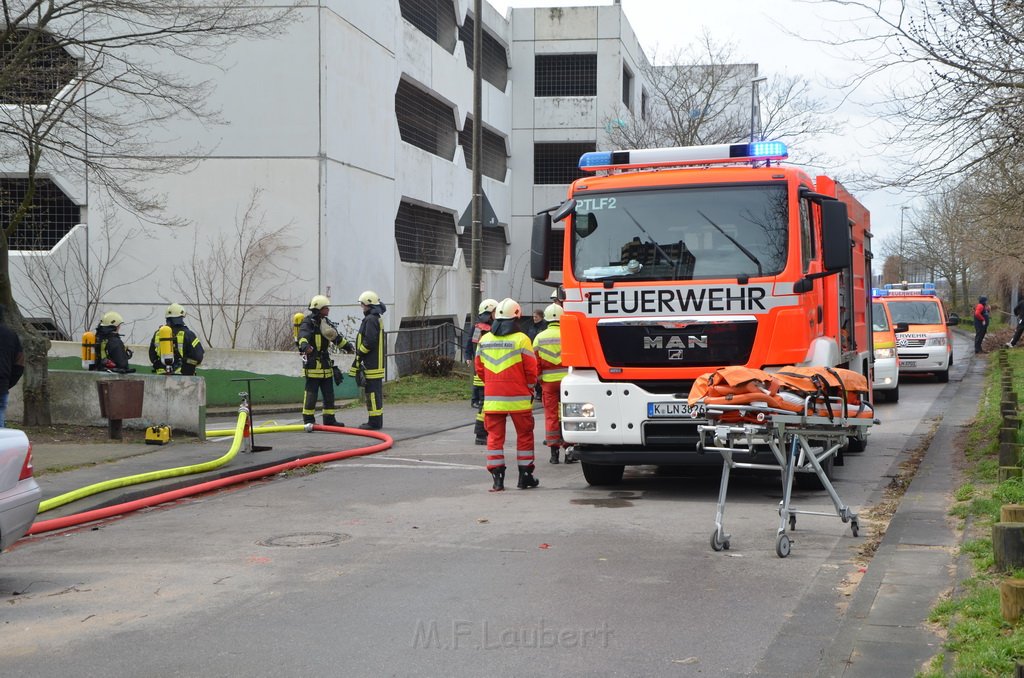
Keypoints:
pixel 833 391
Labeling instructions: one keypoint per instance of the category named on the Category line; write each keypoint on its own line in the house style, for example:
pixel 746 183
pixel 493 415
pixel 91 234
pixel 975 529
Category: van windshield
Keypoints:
pixel 681 233
pixel 879 321
pixel 915 312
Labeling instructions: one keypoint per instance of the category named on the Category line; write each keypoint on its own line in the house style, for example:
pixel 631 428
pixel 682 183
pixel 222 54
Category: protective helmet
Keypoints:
pixel 369 298
pixel 507 309
pixel 487 306
pixel 553 313
pixel 318 302
pixel 111 319
pixel 175 311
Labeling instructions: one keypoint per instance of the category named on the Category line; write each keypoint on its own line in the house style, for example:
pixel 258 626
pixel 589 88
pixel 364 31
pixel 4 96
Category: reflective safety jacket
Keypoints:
pixel 548 347
pixel 318 364
pixel 480 328
pixel 370 345
pixel 508 368
pixel 188 350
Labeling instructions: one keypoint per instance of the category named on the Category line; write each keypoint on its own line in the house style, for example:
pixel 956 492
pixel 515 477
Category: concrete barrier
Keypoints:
pixel 178 402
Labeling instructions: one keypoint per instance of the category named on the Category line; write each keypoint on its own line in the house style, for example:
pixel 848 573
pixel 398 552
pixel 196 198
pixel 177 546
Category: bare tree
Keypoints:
pixel 231 277
pixel 84 95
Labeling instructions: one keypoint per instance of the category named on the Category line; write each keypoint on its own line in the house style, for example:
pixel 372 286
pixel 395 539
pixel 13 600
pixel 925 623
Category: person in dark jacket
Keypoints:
pixel 370 359
pixel 12 366
pixel 111 353
pixel 1018 314
pixel 187 350
pixel 981 316
pixel 536 326
pixel 316 334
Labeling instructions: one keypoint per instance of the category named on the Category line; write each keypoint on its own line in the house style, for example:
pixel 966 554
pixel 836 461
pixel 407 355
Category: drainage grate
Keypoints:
pixel 306 539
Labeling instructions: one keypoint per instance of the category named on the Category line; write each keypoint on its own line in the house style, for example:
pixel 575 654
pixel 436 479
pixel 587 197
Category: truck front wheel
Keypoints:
pixel 602 474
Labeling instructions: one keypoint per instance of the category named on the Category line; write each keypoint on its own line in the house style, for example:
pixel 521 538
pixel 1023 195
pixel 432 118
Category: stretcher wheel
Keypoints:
pixel 718 544
pixel 854 527
pixel 792 523
pixel 782 546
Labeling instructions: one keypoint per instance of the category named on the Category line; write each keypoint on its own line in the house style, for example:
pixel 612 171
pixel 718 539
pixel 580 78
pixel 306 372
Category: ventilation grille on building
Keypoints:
pixel 425 235
pixel 493 247
pixel 559 163
pixel 494 161
pixel 48 329
pixel 34 67
pixel 434 18
pixel 51 216
pixel 565 75
pixel 425 122
pixel 493 60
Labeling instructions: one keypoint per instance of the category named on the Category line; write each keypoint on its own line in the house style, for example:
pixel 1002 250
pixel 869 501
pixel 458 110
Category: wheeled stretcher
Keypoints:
pixel 799 442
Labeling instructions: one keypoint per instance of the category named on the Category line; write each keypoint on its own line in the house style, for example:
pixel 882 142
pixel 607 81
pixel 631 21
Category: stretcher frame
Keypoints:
pixel 789 436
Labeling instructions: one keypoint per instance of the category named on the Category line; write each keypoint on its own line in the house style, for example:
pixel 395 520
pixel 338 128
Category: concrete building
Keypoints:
pixel 346 144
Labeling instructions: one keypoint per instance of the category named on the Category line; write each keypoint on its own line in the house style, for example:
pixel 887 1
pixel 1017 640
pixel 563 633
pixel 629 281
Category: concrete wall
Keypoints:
pixel 179 402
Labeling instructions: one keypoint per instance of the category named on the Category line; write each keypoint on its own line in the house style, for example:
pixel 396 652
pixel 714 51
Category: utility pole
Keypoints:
pixel 903 211
pixel 477 235
pixel 755 113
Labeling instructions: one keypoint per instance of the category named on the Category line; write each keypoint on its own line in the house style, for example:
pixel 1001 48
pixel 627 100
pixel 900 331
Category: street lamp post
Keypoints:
pixel 753 106
pixel 903 211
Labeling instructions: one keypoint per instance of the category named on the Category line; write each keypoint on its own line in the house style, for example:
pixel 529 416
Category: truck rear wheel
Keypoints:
pixel 601 474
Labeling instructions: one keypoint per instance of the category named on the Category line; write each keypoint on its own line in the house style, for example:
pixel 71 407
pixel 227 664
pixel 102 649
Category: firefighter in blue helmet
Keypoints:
pixel 316 334
pixel 368 367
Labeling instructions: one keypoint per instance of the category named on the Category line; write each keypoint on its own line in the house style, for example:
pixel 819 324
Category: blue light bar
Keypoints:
pixel 877 292
pixel 683 155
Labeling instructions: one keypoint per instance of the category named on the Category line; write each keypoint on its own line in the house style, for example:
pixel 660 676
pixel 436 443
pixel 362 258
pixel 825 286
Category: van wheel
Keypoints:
pixel 601 474
pixel 943 376
pixel 893 396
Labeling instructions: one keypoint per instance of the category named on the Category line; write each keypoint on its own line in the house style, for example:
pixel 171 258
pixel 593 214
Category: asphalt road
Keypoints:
pixel 403 564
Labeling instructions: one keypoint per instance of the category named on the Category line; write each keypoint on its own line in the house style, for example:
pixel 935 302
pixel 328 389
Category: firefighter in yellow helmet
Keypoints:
pixel 548 347
pixel 111 353
pixel 508 367
pixel 316 334
pixel 368 367
pixel 482 326
pixel 187 350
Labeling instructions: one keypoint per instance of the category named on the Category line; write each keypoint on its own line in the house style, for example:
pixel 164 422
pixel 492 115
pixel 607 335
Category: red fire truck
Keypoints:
pixel 678 261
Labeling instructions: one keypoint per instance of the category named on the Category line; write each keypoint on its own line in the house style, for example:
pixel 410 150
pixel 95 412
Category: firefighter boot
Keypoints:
pixel 499 479
pixel 554 454
pixel 329 420
pixel 526 479
pixel 308 419
pixel 570 455
pixel 375 423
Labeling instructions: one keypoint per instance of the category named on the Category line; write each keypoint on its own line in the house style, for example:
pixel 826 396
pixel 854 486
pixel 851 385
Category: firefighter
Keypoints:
pixel 111 354
pixel 547 345
pixel 316 334
pixel 506 364
pixel 188 350
pixel 370 359
pixel 482 326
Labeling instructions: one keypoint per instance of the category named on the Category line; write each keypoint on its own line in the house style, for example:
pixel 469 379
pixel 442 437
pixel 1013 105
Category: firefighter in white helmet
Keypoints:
pixel 484 318
pixel 316 334
pixel 368 366
pixel 188 351
pixel 548 347
pixel 508 367
pixel 111 353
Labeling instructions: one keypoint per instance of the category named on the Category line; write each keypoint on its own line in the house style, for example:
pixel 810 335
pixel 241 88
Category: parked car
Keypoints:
pixel 886 380
pixel 19 492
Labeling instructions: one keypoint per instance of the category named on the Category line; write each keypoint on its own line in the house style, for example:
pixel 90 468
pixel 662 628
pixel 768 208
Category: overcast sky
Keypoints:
pixel 752 27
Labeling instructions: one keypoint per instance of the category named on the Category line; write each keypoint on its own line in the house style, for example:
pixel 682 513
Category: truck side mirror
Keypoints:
pixel 540 267
pixel 836 253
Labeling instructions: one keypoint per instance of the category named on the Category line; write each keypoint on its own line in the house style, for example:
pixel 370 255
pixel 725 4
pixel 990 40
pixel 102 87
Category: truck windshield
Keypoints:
pixel 915 312
pixel 681 233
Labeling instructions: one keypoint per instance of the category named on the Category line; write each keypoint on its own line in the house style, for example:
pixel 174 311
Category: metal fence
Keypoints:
pixel 409 345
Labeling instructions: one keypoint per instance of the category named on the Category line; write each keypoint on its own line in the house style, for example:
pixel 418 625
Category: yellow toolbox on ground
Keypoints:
pixel 158 435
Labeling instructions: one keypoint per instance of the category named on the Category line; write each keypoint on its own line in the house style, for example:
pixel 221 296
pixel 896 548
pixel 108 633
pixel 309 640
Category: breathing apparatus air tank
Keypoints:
pixel 88 349
pixel 165 345
pixel 296 323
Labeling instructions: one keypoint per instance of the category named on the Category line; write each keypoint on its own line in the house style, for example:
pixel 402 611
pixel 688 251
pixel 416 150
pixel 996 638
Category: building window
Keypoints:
pixel 493 247
pixel 51 216
pixel 565 75
pixel 425 122
pixel 556 249
pixel 493 60
pixel 627 87
pixel 35 68
pixel 494 161
pixel 559 163
pixel 645 103
pixel 425 235
pixel 434 18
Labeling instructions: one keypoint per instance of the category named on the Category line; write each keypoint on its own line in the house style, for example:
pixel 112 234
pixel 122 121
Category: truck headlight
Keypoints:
pixel 884 353
pixel 578 410
pixel 936 341
pixel 579 425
